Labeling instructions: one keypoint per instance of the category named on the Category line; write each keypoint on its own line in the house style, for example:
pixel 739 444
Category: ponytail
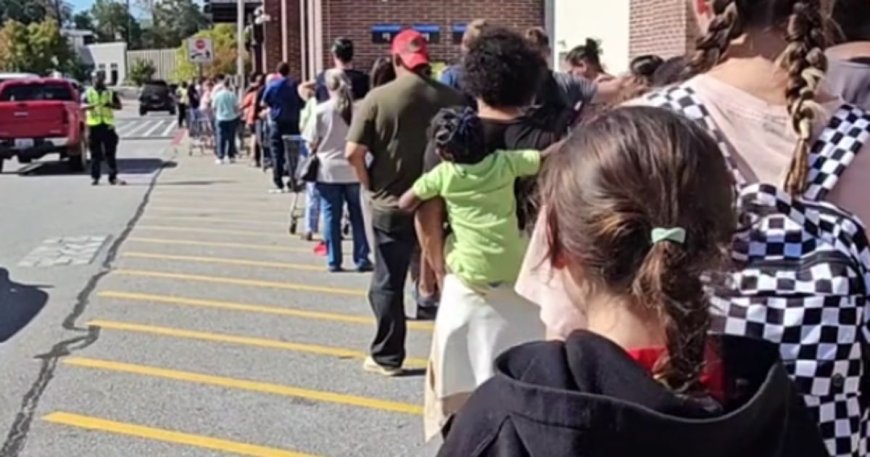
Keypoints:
pixel 338 84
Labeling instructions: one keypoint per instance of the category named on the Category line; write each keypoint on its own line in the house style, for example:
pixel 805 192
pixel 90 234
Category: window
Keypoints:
pixel 29 92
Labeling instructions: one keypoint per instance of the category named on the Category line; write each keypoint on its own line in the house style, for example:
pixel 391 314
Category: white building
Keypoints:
pixel 570 22
pixel 110 58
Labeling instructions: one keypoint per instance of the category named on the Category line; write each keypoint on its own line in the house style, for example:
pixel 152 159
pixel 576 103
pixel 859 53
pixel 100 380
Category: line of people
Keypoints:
pixel 687 236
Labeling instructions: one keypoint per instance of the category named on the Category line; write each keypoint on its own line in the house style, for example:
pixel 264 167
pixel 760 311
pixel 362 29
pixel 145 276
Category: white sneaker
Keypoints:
pixel 374 367
pixel 218 162
pixel 276 191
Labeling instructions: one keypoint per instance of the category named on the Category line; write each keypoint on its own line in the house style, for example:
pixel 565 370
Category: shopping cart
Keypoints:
pixel 294 148
pixel 201 132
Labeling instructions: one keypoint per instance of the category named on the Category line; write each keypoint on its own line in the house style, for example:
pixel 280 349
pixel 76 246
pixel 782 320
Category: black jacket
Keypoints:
pixel 587 398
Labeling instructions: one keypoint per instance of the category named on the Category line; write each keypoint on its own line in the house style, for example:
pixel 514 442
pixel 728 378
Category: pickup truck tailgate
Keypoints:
pixel 33 119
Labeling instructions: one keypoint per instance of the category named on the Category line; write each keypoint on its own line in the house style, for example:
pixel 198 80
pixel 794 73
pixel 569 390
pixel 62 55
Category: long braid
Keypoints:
pixel 806 64
pixel 711 47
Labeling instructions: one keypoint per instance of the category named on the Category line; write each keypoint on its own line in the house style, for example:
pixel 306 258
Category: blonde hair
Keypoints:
pixel 338 84
pixel 473 31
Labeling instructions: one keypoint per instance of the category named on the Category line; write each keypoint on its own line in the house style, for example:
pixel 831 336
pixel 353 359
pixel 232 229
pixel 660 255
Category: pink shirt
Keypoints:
pixel 761 135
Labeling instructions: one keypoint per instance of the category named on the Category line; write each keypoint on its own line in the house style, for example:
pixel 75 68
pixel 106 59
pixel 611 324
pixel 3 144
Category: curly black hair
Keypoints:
pixel 458 135
pixel 503 69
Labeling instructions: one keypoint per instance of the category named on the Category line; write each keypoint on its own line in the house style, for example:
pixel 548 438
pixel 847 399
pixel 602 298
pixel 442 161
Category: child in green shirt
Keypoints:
pixel 480 314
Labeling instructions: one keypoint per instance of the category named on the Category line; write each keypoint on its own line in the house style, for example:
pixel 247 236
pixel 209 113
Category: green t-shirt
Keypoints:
pixel 486 245
pixel 392 122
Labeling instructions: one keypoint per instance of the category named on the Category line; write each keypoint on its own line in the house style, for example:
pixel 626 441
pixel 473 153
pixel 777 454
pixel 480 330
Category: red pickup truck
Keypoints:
pixel 42 116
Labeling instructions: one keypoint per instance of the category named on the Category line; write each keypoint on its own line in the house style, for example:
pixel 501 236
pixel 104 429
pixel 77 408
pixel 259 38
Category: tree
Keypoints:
pixel 113 22
pixel 175 20
pixel 30 11
pixel 36 48
pixel 141 71
pixel 83 21
pixel 224 38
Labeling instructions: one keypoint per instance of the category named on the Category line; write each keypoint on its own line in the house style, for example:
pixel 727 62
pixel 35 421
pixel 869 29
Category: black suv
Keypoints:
pixel 156 96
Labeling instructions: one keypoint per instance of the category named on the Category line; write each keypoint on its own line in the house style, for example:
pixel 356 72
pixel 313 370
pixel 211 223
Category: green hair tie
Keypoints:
pixel 674 234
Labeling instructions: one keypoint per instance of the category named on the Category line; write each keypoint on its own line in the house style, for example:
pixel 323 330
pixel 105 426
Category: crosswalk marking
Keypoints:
pixel 181 209
pixel 167 436
pixel 145 128
pixel 250 308
pixel 215 244
pixel 158 219
pixel 241 282
pixel 243 384
pixel 223 260
pixel 341 353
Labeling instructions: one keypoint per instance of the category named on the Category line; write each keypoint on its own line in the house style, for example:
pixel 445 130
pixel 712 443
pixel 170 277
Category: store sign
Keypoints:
pixel 385 33
pixel 432 33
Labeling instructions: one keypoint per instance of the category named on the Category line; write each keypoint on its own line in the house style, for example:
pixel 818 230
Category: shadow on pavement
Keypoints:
pixel 19 304
pixel 141 166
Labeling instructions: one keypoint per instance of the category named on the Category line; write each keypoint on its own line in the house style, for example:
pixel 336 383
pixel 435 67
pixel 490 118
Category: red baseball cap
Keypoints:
pixel 411 47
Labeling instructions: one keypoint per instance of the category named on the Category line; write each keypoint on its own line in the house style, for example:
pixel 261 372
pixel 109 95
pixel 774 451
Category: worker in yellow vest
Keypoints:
pixel 99 106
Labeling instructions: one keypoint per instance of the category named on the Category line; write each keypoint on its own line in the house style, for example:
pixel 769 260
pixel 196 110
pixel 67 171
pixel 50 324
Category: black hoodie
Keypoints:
pixel 587 398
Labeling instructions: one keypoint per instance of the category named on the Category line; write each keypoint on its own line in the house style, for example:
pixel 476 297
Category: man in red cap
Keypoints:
pixel 392 124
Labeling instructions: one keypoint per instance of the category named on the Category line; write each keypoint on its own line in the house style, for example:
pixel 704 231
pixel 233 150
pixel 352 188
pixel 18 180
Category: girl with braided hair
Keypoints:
pixel 480 315
pixel 756 82
pixel 639 211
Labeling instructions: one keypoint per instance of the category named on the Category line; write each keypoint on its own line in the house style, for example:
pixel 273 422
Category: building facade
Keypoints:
pixel 301 31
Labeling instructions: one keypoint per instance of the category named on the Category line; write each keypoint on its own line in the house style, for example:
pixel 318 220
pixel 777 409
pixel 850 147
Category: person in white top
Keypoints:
pixel 337 184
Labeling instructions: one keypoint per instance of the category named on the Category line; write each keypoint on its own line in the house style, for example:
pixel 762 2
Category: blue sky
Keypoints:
pixel 80 5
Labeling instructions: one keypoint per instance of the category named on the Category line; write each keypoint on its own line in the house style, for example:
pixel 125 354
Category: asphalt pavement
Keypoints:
pixel 176 316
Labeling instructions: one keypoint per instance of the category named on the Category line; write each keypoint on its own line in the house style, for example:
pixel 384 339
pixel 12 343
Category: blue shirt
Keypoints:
pixel 283 101
pixel 452 76
pixel 226 105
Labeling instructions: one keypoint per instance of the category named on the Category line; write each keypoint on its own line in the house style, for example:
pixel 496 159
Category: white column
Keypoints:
pixel 284 32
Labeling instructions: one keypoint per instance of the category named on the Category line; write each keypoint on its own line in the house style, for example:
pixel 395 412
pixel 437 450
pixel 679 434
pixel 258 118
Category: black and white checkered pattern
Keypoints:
pixel 804 276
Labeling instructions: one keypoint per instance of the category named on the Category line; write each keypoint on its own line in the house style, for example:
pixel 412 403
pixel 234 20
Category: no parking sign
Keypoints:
pixel 200 50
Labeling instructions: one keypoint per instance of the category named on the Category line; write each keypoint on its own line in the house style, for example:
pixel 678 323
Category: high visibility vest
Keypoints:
pixel 182 96
pixel 101 112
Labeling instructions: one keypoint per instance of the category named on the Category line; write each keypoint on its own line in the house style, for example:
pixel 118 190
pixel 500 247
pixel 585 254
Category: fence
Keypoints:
pixel 163 60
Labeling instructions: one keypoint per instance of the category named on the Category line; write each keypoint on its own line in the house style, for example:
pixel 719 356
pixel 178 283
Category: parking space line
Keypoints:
pixel 215 244
pixel 166 436
pixel 341 353
pixel 166 228
pixel 243 384
pixel 171 219
pixel 251 308
pixel 212 210
pixel 241 282
pixel 223 260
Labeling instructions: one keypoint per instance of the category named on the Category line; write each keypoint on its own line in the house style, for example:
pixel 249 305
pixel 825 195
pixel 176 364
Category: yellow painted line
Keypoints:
pixel 251 308
pixel 167 436
pixel 146 219
pixel 212 210
pixel 242 282
pixel 215 244
pixel 224 260
pixel 341 353
pixel 243 384
pixel 166 228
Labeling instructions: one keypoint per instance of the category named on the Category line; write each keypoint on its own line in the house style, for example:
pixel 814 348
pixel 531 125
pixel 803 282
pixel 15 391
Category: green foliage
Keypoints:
pixel 36 48
pixel 83 21
pixel 30 11
pixel 141 71
pixel 174 21
pixel 113 22
pixel 224 38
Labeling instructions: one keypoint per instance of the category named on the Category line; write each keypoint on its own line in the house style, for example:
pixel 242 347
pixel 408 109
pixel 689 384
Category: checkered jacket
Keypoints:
pixel 803 276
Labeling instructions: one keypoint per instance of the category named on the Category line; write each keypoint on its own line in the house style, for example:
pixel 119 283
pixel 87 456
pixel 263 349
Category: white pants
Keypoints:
pixel 472 328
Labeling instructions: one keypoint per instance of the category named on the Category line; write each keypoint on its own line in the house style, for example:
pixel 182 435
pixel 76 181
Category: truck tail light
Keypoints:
pixel 65 117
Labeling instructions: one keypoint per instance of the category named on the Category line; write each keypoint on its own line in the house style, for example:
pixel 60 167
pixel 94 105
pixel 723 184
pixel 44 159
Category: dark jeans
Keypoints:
pixel 103 142
pixel 182 115
pixel 277 130
pixel 226 138
pixel 395 240
pixel 333 197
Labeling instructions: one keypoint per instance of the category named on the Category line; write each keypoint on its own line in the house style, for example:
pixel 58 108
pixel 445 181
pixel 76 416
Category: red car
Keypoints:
pixel 42 116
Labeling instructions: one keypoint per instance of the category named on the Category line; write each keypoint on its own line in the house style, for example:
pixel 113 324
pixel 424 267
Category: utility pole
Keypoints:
pixel 240 49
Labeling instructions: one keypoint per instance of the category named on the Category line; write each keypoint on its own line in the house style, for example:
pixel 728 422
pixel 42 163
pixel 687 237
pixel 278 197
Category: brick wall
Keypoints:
pixel 273 36
pixel 663 27
pixel 354 19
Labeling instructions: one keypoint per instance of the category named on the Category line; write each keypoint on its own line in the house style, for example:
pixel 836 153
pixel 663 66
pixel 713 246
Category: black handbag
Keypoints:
pixel 308 168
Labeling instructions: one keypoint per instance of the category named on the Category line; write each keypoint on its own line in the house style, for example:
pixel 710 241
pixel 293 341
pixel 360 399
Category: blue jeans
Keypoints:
pixel 333 197
pixel 226 138
pixel 312 208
